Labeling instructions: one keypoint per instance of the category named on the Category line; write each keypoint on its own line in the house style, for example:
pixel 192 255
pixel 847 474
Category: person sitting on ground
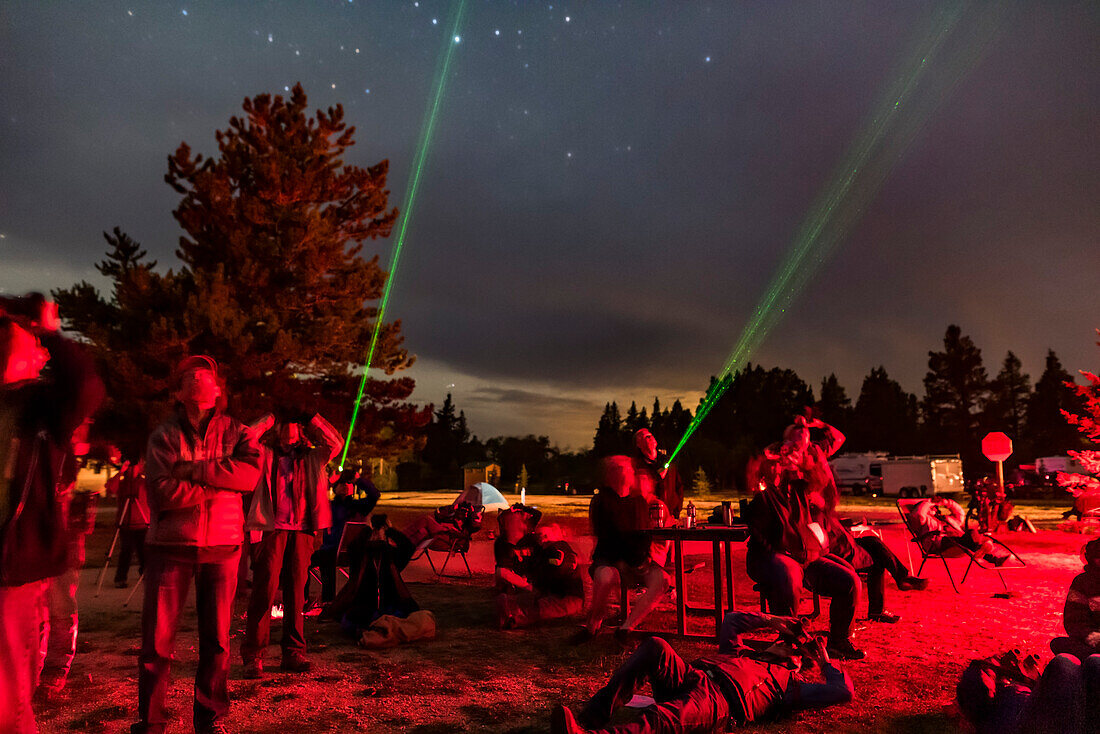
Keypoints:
pixel 739 685
pixel 538 573
pixel 375 587
pixel 1006 694
pixel 1081 615
pixel 941 525
pixel 620 515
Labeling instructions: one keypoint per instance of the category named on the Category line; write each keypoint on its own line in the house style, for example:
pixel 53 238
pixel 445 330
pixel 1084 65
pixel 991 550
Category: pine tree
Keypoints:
pixel 1047 430
pixel 272 283
pixel 1087 422
pixel 608 439
pixel 956 389
pixel 700 485
pixel 885 416
pixel 1008 396
pixel 834 405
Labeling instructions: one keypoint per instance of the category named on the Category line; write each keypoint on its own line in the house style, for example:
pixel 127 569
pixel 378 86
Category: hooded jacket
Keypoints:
pixel 207 510
pixel 310 481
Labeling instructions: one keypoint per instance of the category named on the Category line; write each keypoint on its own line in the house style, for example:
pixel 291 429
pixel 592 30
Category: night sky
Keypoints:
pixel 611 185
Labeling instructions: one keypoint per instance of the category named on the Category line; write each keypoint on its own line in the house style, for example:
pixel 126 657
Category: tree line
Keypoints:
pixel 961 403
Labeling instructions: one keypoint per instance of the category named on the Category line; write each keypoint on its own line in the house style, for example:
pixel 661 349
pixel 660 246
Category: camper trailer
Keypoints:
pixel 919 476
pixel 853 472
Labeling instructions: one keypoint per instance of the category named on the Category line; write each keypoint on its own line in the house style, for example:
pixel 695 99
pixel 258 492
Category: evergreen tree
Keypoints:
pixel 1008 397
pixel 445 440
pixel 700 485
pixel 1086 419
pixel 272 283
pixel 834 405
pixel 1048 433
pixel 608 439
pixel 885 417
pixel 956 390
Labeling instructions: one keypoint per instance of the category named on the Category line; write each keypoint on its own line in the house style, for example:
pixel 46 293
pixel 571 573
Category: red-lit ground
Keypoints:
pixel 474 678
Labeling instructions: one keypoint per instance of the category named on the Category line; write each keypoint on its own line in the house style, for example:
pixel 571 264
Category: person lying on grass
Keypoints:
pixel 740 684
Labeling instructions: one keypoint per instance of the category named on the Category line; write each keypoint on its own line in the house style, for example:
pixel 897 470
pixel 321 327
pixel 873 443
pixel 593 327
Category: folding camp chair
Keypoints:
pixel 950 547
pixel 451 543
pixel 350 532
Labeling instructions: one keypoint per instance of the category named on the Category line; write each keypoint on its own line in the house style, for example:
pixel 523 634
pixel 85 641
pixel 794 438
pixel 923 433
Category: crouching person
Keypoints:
pixel 738 685
pixel 538 574
pixel 1081 615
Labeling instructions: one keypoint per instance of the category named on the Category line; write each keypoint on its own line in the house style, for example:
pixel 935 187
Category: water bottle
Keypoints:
pixel 690 522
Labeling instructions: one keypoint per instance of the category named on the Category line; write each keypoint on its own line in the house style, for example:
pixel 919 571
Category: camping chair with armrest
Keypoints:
pixel 452 543
pixel 950 547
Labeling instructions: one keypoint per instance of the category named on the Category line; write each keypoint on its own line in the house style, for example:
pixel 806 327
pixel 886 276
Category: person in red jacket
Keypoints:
pixel 199 463
pixel 48 389
pixel 133 517
pixel 290 507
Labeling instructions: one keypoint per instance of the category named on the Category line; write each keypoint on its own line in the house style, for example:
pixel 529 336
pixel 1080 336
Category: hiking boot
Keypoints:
pixel 845 650
pixel 913 583
pixel 562 721
pixel 214 727
pixel 885 617
pixel 253 669
pixel 295 662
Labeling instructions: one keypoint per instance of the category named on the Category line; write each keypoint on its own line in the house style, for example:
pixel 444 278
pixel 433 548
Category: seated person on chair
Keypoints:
pixel 1081 615
pixel 1006 694
pixel 941 523
pixel 457 519
pixel 788 548
pixel 867 554
pixel 345 508
pixel 620 515
pixel 736 686
pixel 538 575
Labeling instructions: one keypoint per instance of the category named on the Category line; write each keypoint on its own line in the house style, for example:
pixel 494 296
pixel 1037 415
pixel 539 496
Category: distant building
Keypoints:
pixel 480 471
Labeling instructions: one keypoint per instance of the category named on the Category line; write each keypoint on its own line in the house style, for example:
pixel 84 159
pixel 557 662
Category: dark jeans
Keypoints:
pixel 782 578
pixel 167 581
pixel 283 554
pixel 325 562
pixel 883 562
pixel 132 542
pixel 1066 700
pixel 686 699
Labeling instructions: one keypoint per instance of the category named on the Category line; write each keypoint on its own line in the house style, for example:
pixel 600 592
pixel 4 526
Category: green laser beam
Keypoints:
pixel 410 202
pixel 865 166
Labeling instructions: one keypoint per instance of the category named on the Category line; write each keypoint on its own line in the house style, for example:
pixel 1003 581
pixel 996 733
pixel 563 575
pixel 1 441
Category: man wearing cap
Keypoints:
pixel 198 464
pixel 658 480
pixel 290 506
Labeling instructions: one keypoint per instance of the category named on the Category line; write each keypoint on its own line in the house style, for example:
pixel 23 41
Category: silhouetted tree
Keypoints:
pixel 271 283
pixel 609 436
pixel 885 417
pixel 956 389
pixel 834 405
pixel 1048 433
pixel 1008 397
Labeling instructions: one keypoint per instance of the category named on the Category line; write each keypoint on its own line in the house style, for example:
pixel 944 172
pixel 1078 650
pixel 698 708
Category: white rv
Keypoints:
pixel 853 472
pixel 919 476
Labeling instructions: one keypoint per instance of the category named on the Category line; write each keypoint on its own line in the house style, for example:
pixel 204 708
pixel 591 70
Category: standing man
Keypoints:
pixel 39 412
pixel 290 506
pixel 199 462
pixel 661 481
pixel 133 519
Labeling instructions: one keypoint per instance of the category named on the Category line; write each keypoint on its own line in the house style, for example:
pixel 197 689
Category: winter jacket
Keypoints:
pixel 779 519
pixel 1081 615
pixel 207 510
pixel 310 489
pixel 37 421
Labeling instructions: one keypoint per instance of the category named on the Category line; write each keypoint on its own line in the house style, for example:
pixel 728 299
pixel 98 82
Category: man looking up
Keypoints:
pixel 198 464
pixel 649 464
pixel 290 506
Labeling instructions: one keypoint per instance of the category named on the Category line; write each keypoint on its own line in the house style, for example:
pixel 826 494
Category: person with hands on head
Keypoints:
pixel 199 464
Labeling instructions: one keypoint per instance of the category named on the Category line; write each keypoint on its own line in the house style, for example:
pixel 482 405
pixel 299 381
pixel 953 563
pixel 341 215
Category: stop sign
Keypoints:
pixel 996 446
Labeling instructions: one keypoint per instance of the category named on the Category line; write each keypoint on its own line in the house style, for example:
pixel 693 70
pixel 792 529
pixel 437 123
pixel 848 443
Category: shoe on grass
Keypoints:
pixel 913 583
pixel 295 663
pixel 254 669
pixel 885 617
pixel 845 650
